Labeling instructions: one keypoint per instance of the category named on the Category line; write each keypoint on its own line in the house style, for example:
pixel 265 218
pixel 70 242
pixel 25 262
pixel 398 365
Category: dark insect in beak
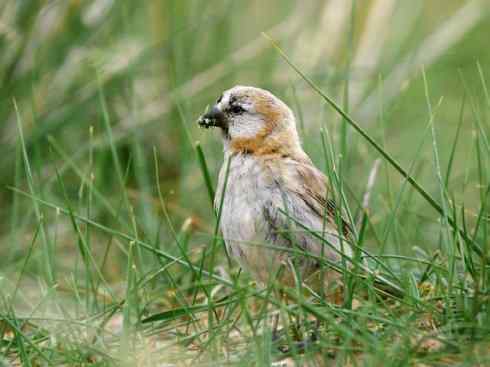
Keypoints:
pixel 212 118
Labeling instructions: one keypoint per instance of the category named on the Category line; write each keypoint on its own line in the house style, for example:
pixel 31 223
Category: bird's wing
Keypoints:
pixel 311 185
pixel 307 202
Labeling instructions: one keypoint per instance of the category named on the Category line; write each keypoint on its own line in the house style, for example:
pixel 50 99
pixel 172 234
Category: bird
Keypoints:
pixel 278 217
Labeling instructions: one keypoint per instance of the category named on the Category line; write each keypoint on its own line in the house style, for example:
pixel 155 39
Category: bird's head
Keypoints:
pixel 253 121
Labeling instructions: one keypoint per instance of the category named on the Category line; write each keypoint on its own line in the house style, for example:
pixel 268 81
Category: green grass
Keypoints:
pixel 110 251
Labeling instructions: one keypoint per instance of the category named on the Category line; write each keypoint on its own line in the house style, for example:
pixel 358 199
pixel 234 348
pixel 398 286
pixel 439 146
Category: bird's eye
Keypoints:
pixel 236 109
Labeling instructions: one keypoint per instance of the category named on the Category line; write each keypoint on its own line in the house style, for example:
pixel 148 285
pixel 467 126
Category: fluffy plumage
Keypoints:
pixel 273 190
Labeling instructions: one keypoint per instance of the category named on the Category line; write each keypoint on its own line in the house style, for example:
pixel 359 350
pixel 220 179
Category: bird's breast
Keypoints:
pixel 241 195
pixel 241 199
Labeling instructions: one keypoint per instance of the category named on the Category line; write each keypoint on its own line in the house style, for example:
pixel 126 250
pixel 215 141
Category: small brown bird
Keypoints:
pixel 273 199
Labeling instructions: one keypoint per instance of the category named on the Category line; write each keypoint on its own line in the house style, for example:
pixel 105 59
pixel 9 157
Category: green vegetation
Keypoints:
pixel 110 252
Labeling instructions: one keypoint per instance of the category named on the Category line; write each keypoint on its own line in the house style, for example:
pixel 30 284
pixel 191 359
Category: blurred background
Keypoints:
pixel 148 69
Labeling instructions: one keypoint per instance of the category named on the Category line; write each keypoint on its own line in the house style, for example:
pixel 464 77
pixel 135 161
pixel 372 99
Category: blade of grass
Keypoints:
pixel 483 82
pixel 445 230
pixel 205 172
pixel 26 260
pixel 87 256
pixel 455 143
pixel 47 253
pixel 21 338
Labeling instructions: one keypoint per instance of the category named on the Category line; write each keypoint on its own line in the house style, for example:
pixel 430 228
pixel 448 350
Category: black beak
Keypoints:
pixel 213 117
